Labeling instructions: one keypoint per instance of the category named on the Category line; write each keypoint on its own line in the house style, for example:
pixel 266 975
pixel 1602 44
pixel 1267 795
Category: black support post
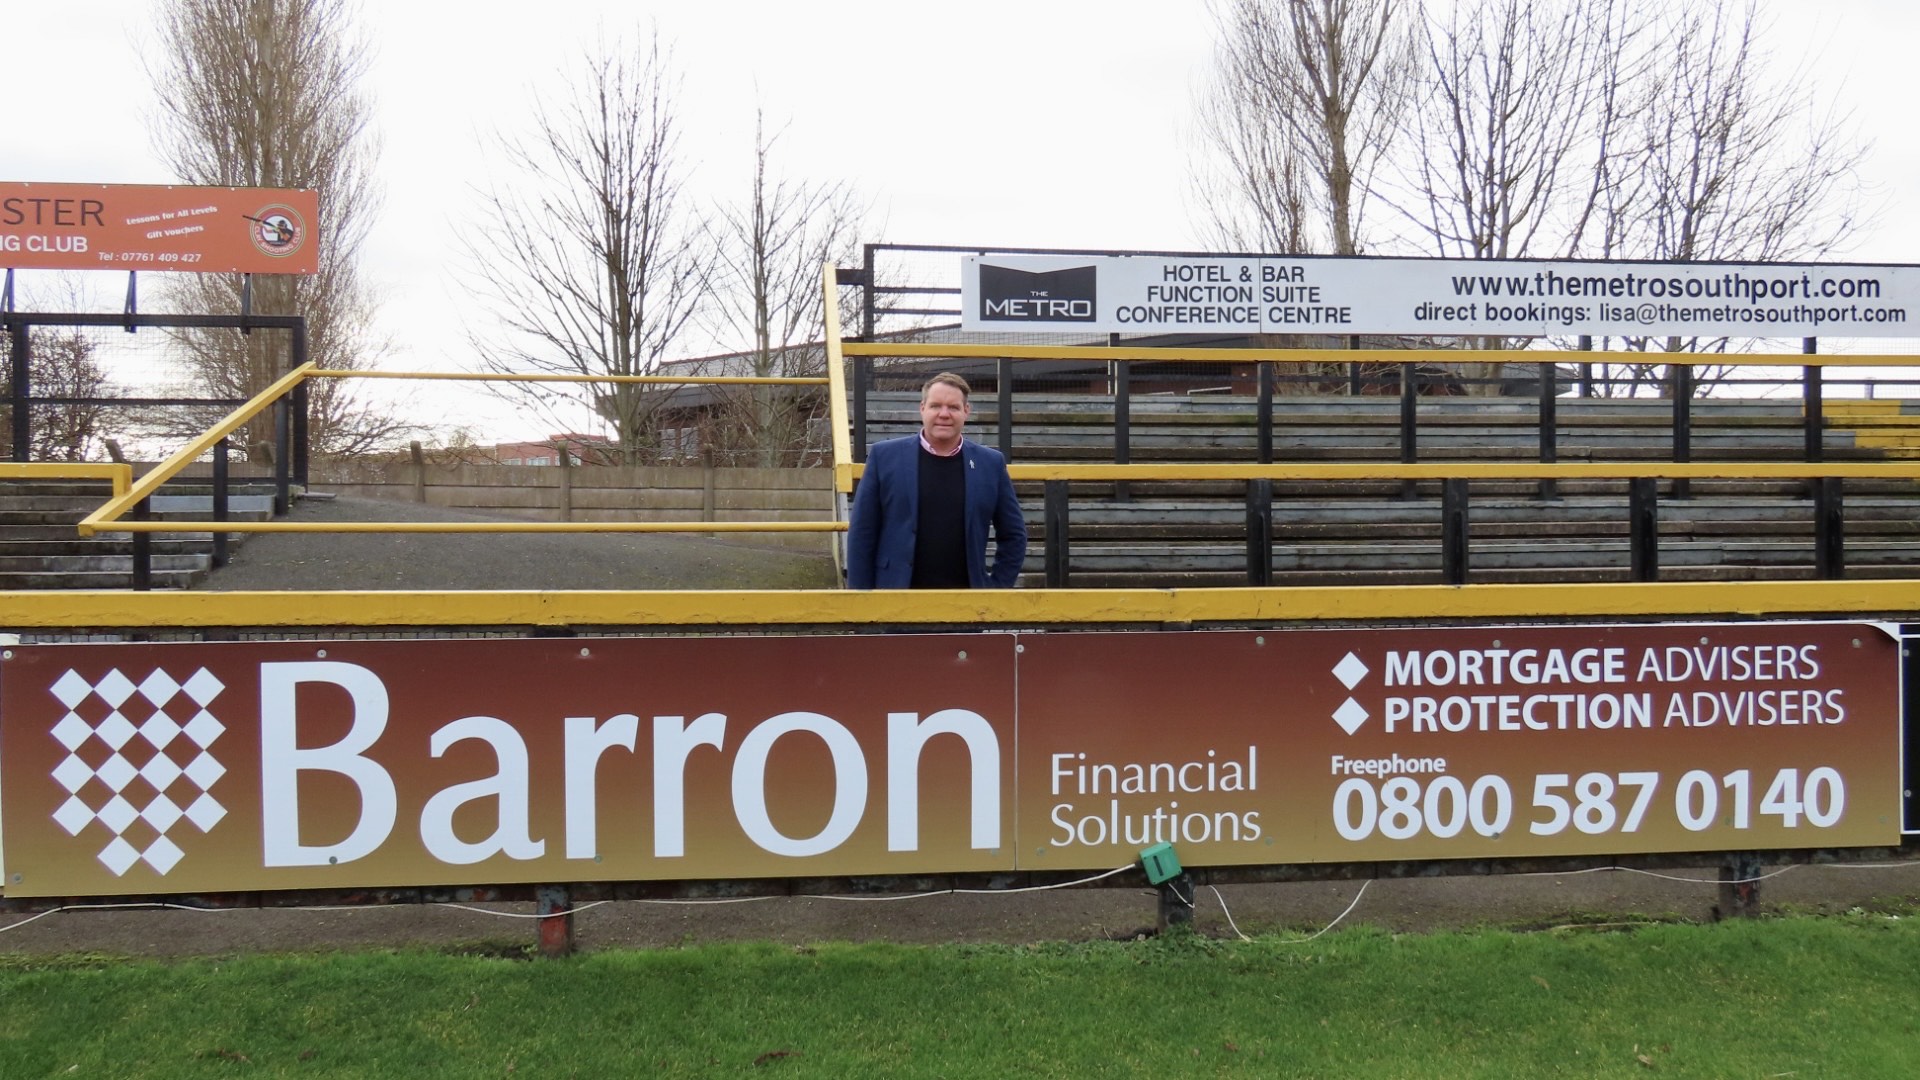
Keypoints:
pixel 1122 419
pixel 142 548
pixel 1586 368
pixel 22 392
pixel 1054 516
pixel 1176 902
pixel 1409 418
pixel 1811 389
pixel 1549 426
pixel 1739 886
pixel 1682 424
pixel 1264 405
pixel 282 451
pixel 220 507
pixel 1453 532
pixel 1260 532
pixel 1003 404
pixel 1643 529
pixel 1829 529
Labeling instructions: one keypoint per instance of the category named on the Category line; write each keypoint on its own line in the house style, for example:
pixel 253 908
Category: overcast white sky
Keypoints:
pixel 1045 123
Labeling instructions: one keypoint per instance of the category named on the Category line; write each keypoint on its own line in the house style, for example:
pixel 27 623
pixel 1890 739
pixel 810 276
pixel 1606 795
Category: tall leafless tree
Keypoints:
pixel 766 291
pixel 1306 103
pixel 1728 158
pixel 593 257
pixel 266 93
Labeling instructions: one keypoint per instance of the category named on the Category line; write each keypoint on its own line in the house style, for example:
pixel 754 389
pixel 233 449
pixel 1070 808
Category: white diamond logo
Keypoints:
pixel 159 730
pixel 160 771
pixel 163 854
pixel 204 770
pixel 206 812
pixel 73 816
pixel 203 729
pixel 119 856
pixel 1350 716
pixel 72 774
pixel 118 814
pixel 71 688
pixel 1350 671
pixel 72 731
pixel 115 688
pixel 161 813
pixel 159 687
pixel 117 773
pixel 116 730
pixel 203 687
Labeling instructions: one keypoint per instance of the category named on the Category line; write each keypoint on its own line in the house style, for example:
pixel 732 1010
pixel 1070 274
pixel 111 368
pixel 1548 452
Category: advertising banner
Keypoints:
pixel 180 768
pixel 1154 294
pixel 157 227
pixel 1360 745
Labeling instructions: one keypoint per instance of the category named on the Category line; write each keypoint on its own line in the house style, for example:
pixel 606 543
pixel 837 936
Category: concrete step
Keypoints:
pixel 92 563
pixel 95 579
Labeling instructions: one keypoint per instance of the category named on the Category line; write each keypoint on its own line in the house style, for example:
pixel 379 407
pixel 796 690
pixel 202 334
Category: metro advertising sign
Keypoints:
pixel 154 227
pixel 1160 294
pixel 164 768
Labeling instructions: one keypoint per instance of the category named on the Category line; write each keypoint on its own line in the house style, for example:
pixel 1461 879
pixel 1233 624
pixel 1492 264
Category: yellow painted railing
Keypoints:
pixel 111 516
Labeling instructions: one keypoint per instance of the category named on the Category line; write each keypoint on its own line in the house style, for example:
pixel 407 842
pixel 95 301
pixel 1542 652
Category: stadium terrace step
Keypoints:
pixel 40 547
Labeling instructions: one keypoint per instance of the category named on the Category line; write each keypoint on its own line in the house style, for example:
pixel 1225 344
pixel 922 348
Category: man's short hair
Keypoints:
pixel 947 378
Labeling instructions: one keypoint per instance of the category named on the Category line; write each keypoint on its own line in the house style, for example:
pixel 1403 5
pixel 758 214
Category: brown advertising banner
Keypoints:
pixel 194 768
pixel 1317 746
pixel 175 768
pixel 157 227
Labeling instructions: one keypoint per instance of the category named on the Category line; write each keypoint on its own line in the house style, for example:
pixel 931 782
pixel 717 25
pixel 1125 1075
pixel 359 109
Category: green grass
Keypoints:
pixel 1800 997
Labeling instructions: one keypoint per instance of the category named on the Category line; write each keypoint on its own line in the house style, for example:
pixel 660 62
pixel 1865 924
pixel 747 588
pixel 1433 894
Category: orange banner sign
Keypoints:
pixel 171 768
pixel 155 227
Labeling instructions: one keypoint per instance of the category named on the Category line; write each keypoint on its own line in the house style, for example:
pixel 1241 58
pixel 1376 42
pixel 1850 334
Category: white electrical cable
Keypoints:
pixel 163 906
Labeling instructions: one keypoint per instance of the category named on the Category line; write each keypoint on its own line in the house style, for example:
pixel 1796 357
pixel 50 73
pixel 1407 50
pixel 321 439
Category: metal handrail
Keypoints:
pixel 109 516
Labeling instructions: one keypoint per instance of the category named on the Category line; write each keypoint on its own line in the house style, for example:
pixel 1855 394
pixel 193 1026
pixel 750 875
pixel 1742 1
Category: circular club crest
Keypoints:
pixel 277 230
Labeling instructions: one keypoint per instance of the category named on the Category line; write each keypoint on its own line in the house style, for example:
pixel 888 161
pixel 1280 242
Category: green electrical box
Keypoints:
pixel 1160 863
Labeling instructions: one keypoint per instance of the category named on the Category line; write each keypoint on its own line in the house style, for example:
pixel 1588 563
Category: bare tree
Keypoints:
pixel 1306 104
pixel 593 257
pixel 266 93
pixel 1731 159
pixel 765 287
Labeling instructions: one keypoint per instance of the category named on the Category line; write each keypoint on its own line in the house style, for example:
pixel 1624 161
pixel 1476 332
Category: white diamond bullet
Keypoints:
pixel 1350 671
pixel 1350 716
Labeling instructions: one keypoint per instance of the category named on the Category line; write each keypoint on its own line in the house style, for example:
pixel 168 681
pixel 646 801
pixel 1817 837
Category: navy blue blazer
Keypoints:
pixel 886 517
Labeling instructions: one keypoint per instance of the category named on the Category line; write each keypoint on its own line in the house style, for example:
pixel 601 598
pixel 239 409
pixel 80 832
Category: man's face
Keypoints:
pixel 943 410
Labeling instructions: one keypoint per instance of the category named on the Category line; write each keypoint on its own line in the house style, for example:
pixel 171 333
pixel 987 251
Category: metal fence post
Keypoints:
pixel 1453 532
pixel 1260 532
pixel 220 507
pixel 1054 516
pixel 1811 390
pixel 1409 416
pixel 1829 529
pixel 1643 529
pixel 1682 424
pixel 22 391
pixel 1549 429
pixel 555 908
pixel 1122 419
pixel 282 450
pixel 1003 404
pixel 1265 406
pixel 142 547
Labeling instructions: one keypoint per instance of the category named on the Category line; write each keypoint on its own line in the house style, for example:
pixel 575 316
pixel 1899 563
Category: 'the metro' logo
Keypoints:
pixel 1066 295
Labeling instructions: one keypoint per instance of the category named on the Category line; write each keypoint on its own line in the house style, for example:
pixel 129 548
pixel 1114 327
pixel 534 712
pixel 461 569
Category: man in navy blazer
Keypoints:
pixel 925 502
